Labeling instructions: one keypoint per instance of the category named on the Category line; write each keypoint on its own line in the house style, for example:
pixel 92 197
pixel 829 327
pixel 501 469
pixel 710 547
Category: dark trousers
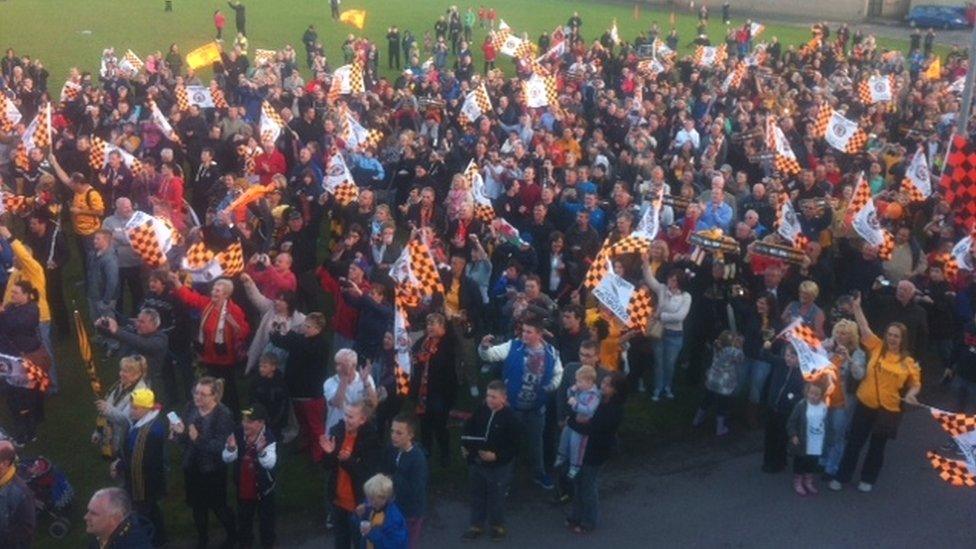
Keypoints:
pixel 26 408
pixel 433 426
pixel 55 299
pixel 862 428
pixel 714 401
pixel 265 510
pixel 208 492
pixel 774 443
pixel 220 33
pixel 226 373
pixel 488 488
pixel 640 358
pixel 393 58
pixel 335 10
pixel 586 501
pixel 150 510
pixel 129 278
pixel 805 465
pixel 178 376
pixel 346 529
pixel 489 65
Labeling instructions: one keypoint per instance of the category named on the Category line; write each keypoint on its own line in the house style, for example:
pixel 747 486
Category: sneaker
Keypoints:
pixel 486 368
pixel 864 487
pixel 572 473
pixel 668 394
pixel 835 486
pixel 798 485
pixel 544 481
pixel 472 534
pixel 640 386
pixel 655 396
pixel 699 418
pixel 498 533
pixel 475 393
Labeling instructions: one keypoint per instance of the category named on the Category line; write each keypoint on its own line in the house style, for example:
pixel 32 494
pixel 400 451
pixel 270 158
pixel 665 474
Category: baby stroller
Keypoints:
pixel 52 492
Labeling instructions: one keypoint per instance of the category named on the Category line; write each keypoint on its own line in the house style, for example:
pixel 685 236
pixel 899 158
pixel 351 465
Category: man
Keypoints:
pixel 103 276
pixel 205 183
pixel 240 16
pixel 141 464
pixel 50 249
pixel 310 39
pixel 335 9
pixel 349 385
pixel 716 214
pixel 252 449
pixel 570 335
pixel 146 340
pixel 111 521
pixel 87 209
pixel 531 371
pixel 902 307
pixel 130 264
pixel 907 258
pixel 462 307
pixel 393 47
pixel 272 279
pixel 17 520
pixel 489 442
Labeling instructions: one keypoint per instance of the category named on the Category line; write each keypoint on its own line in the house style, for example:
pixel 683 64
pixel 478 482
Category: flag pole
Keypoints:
pixel 962 124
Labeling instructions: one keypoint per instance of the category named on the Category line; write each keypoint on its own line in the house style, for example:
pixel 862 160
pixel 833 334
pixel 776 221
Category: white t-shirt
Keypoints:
pixel 816 428
pixel 355 393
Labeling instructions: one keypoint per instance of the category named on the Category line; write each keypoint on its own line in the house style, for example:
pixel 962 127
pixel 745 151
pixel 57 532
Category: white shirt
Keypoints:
pixel 816 428
pixel 355 393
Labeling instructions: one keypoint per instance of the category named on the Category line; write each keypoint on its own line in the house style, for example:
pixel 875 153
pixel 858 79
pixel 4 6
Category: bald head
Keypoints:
pixel 905 292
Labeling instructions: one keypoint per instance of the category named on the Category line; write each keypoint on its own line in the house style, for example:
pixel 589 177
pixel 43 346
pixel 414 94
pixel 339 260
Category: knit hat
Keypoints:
pixel 257 412
pixel 143 398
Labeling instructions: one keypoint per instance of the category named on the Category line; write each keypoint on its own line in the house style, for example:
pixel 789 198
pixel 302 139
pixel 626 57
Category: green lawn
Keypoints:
pixel 66 33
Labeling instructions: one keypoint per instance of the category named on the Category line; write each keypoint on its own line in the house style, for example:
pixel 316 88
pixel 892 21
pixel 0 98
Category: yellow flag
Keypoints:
pixel 356 18
pixel 934 72
pixel 204 56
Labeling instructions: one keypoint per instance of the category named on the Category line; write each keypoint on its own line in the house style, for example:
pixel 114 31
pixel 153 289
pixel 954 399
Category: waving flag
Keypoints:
pixel 100 151
pixel 131 63
pixel 876 89
pixel 352 132
pixel 734 79
pixel 500 36
pixel 9 115
pixel 204 56
pixel 867 226
pixel 483 209
pixel 476 104
pixel 633 306
pixel 200 96
pixel 151 238
pixel 962 254
pixel 205 264
pixel 36 136
pixel 784 159
pixel 962 429
pixel 860 197
pixel 347 79
pixel 845 135
pixel 649 67
pixel 959 180
pixel 70 91
pixel 788 223
pixel 809 349
pixel 356 18
pixel 338 180
pixel 709 56
pixel 650 222
pixel 264 57
pixel 271 123
pixel 661 51
pixel 614 33
pixel 160 121
pixel 917 183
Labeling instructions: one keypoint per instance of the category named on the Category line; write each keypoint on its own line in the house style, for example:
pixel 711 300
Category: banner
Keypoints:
pixel 918 180
pixel 200 96
pixel 962 253
pixel 151 238
pixel 204 56
pixel 809 350
pixel 844 135
pixel 614 292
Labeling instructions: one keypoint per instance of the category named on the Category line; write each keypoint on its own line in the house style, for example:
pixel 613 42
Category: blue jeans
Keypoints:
pixel 533 424
pixel 488 487
pixel 586 501
pixel 834 447
pixel 752 378
pixel 666 352
pixel 44 329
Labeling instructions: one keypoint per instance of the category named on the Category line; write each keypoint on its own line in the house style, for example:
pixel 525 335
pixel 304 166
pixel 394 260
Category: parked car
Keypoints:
pixel 938 17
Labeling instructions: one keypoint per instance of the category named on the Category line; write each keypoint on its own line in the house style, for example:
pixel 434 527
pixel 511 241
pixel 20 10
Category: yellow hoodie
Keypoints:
pixel 27 268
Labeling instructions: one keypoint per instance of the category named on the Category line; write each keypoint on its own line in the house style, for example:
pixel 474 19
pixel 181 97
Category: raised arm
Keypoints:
pixel 862 321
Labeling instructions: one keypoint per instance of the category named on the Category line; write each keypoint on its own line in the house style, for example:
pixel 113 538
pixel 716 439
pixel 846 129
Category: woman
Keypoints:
pixel 805 309
pixel 277 315
pixel 221 334
pixel 890 373
pixel 114 408
pixel 849 363
pixel 760 324
pixel 434 384
pixel 202 432
pixel 601 432
pixel 673 304
pixel 20 338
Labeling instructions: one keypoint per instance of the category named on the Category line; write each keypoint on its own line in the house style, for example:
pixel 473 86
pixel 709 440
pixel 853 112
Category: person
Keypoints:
pixel 129 263
pixel 201 431
pixel 147 340
pixel 785 388
pixel 891 373
pixel 50 249
pixel 808 430
pixel 601 432
pixel 352 455
pixel 253 449
pixel 848 363
pixel 674 304
pixel 806 309
pixel 240 16
pixel 720 381
pixel 279 315
pixel 268 388
pixel 334 4
pixel 434 385
pixel 219 21
pixel 962 369
pixel 222 333
pixel 141 461
pixel 381 523
pixel 19 320
pixel 110 520
pixel 406 464
pixel 18 521
pixel 489 443
pixel 116 406
pixel 760 323
pixel 304 374
pixel 583 398
pixel 103 277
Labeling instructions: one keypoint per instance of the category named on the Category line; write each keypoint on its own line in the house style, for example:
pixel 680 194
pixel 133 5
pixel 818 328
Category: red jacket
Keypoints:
pixel 267 165
pixel 272 282
pixel 236 329
pixel 219 20
pixel 346 316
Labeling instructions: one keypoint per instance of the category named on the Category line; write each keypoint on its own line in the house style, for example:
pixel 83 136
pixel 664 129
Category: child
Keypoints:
pixel 382 525
pixel 807 430
pixel 407 464
pixel 252 449
pixel 720 381
pixel 304 376
pixel 583 398
pixel 269 390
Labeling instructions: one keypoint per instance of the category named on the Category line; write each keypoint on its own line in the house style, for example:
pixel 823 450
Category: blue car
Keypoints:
pixel 938 17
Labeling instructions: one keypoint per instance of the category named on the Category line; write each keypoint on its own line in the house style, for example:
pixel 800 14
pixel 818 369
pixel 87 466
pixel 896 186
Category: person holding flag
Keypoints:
pixel 890 373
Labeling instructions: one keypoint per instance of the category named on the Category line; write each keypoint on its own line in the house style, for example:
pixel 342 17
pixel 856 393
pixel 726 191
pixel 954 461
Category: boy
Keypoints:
pixel 252 449
pixel 268 389
pixel 489 442
pixel 406 463
pixel 304 375
pixel 583 398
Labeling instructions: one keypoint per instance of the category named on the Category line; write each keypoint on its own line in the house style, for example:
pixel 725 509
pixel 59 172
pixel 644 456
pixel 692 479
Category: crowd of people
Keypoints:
pixel 298 343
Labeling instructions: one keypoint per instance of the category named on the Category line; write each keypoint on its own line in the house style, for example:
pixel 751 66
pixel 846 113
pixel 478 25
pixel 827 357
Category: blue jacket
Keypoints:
pixel 527 390
pixel 713 217
pixel 409 474
pixel 6 261
pixel 392 534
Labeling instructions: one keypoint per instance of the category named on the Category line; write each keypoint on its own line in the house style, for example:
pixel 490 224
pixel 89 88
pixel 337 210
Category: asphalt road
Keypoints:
pixel 712 494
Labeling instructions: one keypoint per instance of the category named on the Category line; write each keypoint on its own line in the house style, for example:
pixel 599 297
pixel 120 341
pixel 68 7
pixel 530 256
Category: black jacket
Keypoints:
pixel 129 534
pixel 272 393
pixel 305 367
pixel 362 464
pixel 442 381
pixel 264 476
pixel 497 432
pixel 602 430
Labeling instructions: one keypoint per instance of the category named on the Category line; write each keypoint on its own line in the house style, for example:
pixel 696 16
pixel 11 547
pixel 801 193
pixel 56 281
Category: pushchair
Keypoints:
pixel 52 492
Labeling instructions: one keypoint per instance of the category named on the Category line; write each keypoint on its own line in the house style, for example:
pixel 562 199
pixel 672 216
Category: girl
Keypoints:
pixel 807 429
pixel 720 381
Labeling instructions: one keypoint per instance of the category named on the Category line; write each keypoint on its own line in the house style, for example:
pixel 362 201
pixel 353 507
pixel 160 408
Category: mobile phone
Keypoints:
pixel 173 418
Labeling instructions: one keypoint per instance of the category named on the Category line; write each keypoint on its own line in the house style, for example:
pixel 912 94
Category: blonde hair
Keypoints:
pixel 586 372
pixel 845 325
pixel 810 286
pixel 134 363
pixel 216 385
pixel 379 487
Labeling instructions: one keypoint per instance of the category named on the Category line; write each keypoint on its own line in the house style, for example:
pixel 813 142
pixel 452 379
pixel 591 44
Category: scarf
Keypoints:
pixel 221 323
pixel 8 476
pixel 427 351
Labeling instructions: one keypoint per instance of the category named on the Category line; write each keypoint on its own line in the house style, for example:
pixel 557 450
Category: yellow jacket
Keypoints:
pixel 27 268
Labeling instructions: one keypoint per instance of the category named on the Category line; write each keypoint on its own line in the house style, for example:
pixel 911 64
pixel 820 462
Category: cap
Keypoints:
pixel 726 168
pixel 294 214
pixel 257 412
pixel 143 398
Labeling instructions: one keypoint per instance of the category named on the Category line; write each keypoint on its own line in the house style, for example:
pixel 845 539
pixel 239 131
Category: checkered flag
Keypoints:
pixel 346 193
pixel 182 98
pixel 36 136
pixel 476 104
pixel 70 91
pixel 357 80
pixel 100 150
pixel 962 429
pixel 640 308
pixel 338 180
pixel 220 102
pixel 271 123
pixel 374 138
pixel 598 269
pixel 809 350
pixel 860 197
pixel 231 259
pixel 844 135
pixel 958 180
pixel 784 160
pixel 424 269
pixel 150 238
pixel 197 256
pixel 9 115
pixel 953 471
pixel 956 425
pixel 15 203
pixel 824 115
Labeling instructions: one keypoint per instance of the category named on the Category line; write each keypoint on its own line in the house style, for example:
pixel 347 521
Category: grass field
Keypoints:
pixel 66 33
